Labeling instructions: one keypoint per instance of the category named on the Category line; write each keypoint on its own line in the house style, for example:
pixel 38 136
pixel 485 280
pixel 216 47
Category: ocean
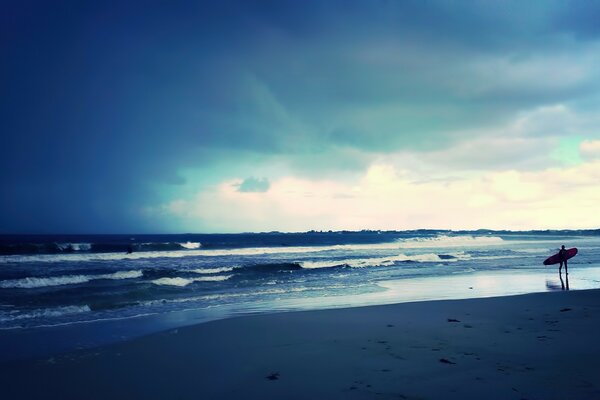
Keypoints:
pixel 51 281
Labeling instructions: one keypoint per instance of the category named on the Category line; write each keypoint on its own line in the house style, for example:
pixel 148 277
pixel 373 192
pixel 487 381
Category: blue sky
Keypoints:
pixel 284 115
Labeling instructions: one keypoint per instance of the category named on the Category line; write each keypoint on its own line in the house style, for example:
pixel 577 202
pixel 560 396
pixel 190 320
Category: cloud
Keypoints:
pixel 253 185
pixel 141 107
pixel 385 197
pixel 590 149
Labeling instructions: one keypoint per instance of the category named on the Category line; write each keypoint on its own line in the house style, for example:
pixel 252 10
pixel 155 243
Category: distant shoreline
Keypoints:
pixel 584 231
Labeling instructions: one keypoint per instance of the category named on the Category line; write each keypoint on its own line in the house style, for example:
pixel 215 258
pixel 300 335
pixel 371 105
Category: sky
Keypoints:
pixel 237 116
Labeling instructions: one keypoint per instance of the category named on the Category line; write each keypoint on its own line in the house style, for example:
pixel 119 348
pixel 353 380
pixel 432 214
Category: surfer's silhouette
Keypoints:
pixel 562 283
pixel 562 254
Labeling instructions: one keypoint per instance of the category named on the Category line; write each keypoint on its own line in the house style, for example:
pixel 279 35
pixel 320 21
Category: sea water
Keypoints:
pixel 54 281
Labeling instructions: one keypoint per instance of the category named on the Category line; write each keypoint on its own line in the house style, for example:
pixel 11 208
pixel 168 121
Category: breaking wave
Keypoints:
pixel 68 247
pixel 449 241
pixel 55 248
pixel 212 270
pixel 181 282
pixel 386 261
pixel 190 245
pixel 43 313
pixel 38 282
pixel 106 252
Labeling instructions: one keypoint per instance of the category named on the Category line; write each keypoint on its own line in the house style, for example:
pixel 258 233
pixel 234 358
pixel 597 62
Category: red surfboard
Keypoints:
pixel 555 259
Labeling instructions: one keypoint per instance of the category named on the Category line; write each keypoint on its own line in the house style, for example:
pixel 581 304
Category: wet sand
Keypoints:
pixel 535 346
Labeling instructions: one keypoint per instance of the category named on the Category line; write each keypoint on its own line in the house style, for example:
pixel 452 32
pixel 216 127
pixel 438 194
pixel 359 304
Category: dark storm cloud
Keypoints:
pixel 101 102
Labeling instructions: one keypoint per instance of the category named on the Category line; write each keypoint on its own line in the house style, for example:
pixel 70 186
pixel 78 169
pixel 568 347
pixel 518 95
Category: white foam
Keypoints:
pixel 191 245
pixel 81 246
pixel 172 281
pixel 383 261
pixel 181 282
pixel 74 246
pixel 84 321
pixel 213 278
pixel 450 241
pixel 352 262
pixel 30 282
pixel 253 251
pixel 44 313
pixel 212 270
pixel 33 282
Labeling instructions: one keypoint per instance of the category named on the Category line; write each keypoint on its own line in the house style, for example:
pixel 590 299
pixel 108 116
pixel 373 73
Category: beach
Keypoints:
pixel 533 346
pixel 300 200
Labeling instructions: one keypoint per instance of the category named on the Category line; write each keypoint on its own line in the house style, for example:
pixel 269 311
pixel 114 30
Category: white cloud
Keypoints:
pixel 385 197
pixel 590 149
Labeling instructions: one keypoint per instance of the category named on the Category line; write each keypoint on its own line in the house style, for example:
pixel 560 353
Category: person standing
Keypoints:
pixel 562 255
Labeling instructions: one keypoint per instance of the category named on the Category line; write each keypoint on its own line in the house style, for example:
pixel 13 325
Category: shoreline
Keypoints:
pixel 533 346
pixel 28 343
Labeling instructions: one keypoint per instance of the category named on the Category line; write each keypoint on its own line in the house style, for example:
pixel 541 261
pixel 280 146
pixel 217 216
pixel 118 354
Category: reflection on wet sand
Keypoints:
pixel 552 284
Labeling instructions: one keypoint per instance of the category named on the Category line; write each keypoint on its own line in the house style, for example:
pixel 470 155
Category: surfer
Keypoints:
pixel 562 255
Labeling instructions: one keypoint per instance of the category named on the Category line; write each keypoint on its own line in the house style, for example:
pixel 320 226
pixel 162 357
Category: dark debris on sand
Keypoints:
pixel 272 376
pixel 445 361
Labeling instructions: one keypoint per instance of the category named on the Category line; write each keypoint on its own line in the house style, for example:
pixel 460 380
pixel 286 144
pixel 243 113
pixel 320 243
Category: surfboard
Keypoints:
pixel 555 259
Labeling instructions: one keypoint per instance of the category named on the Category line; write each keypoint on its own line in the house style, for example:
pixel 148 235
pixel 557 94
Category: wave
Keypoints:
pixel 450 241
pixel 166 251
pixel 535 251
pixel 212 270
pixel 56 248
pixel 43 248
pixel 213 274
pixel 190 245
pixel 43 313
pixel 386 261
pixel 175 250
pixel 212 278
pixel 181 282
pixel 225 296
pixel 69 247
pixel 195 249
pixel 83 257
pixel 270 267
pixel 38 282
pixel 172 281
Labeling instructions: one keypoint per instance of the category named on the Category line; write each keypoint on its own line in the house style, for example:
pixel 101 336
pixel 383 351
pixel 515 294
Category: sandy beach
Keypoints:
pixel 535 346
